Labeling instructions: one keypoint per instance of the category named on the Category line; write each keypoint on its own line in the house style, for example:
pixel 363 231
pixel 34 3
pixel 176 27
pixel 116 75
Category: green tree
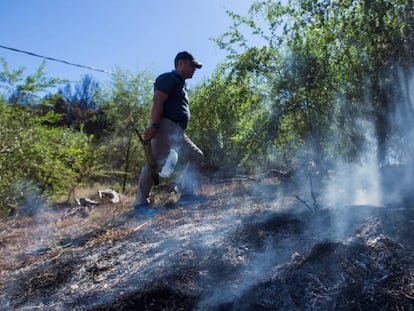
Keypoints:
pixel 25 90
pixel 127 108
pixel 226 122
pixel 326 64
pixel 49 161
pixel 35 157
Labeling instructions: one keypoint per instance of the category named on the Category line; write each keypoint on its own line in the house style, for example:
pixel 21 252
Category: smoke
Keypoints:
pixel 366 181
pixel 258 268
pixel 355 191
pixel 354 183
pixel 359 184
pixel 401 139
pixel 29 199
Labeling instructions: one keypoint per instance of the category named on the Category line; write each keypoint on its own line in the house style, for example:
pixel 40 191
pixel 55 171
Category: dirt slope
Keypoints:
pixel 251 245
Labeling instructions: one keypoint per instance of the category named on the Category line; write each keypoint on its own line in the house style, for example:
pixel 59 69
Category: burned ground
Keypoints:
pixel 250 246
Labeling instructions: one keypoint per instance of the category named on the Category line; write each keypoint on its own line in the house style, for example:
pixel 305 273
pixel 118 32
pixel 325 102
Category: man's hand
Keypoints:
pixel 150 133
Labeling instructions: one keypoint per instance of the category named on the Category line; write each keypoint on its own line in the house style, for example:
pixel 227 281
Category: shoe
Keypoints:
pixel 144 209
pixel 192 198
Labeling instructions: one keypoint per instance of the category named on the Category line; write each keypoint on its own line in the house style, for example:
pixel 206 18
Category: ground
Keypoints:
pixel 252 245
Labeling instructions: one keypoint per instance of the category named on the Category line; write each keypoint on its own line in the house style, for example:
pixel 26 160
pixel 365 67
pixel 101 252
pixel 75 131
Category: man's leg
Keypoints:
pixel 145 183
pixel 160 146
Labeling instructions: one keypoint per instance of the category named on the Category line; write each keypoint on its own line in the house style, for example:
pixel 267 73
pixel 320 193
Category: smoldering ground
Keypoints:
pixel 232 252
pixel 254 244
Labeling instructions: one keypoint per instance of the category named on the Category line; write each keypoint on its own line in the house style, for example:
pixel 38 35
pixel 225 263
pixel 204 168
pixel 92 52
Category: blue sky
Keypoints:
pixel 135 35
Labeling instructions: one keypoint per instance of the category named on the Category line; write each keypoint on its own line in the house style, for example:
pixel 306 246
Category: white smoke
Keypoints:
pixel 354 184
pixel 368 182
pixel 258 268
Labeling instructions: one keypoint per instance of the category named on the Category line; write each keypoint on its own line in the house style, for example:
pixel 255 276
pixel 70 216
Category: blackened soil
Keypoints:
pixel 227 253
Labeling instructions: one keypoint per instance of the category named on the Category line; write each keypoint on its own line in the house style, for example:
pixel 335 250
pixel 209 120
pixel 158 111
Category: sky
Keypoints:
pixel 135 35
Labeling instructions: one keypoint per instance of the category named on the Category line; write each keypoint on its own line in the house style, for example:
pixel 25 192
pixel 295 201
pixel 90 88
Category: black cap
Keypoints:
pixel 187 56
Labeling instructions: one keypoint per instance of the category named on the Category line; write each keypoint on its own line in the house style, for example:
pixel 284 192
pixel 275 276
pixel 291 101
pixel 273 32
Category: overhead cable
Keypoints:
pixel 56 60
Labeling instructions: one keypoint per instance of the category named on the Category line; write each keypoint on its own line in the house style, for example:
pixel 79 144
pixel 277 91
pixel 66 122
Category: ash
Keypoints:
pixel 250 246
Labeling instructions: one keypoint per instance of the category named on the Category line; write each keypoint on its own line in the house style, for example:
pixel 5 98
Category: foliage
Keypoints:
pixel 25 90
pixel 50 160
pixel 85 93
pixel 127 109
pixel 226 122
pixel 299 80
pixel 35 156
pixel 77 106
pixel 326 65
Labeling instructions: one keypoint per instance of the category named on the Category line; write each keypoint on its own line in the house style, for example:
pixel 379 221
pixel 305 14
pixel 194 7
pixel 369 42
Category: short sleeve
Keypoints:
pixel 165 83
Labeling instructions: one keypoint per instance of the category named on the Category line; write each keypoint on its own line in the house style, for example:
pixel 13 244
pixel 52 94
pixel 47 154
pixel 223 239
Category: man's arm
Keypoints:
pixel 156 114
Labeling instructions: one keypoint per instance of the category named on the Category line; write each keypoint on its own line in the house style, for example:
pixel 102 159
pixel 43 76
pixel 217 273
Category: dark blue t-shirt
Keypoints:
pixel 176 107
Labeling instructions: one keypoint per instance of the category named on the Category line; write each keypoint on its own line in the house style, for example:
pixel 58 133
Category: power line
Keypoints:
pixel 55 59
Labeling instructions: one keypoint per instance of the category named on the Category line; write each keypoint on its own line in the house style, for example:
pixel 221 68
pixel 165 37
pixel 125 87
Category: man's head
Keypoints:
pixel 185 64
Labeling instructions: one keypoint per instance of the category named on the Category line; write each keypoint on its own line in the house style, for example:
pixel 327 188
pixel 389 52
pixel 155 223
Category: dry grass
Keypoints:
pixel 54 228
pixel 51 229
pixel 27 239
pixel 240 236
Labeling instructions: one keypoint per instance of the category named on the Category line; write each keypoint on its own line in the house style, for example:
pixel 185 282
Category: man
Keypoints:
pixel 169 118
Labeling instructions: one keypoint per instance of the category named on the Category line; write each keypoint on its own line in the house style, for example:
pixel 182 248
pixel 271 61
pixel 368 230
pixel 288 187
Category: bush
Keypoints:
pixel 47 160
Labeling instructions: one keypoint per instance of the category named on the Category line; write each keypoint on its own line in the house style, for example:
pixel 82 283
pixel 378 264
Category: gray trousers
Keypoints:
pixel 171 136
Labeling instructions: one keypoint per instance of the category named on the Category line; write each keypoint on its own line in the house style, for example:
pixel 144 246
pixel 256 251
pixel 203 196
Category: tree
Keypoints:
pixel 25 91
pixel 127 109
pixel 37 158
pixel 226 122
pixel 78 106
pixel 327 67
pixel 34 156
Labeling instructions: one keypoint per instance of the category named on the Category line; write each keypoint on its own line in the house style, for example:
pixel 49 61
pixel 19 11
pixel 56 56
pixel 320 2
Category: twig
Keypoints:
pixel 304 203
pixel 140 226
